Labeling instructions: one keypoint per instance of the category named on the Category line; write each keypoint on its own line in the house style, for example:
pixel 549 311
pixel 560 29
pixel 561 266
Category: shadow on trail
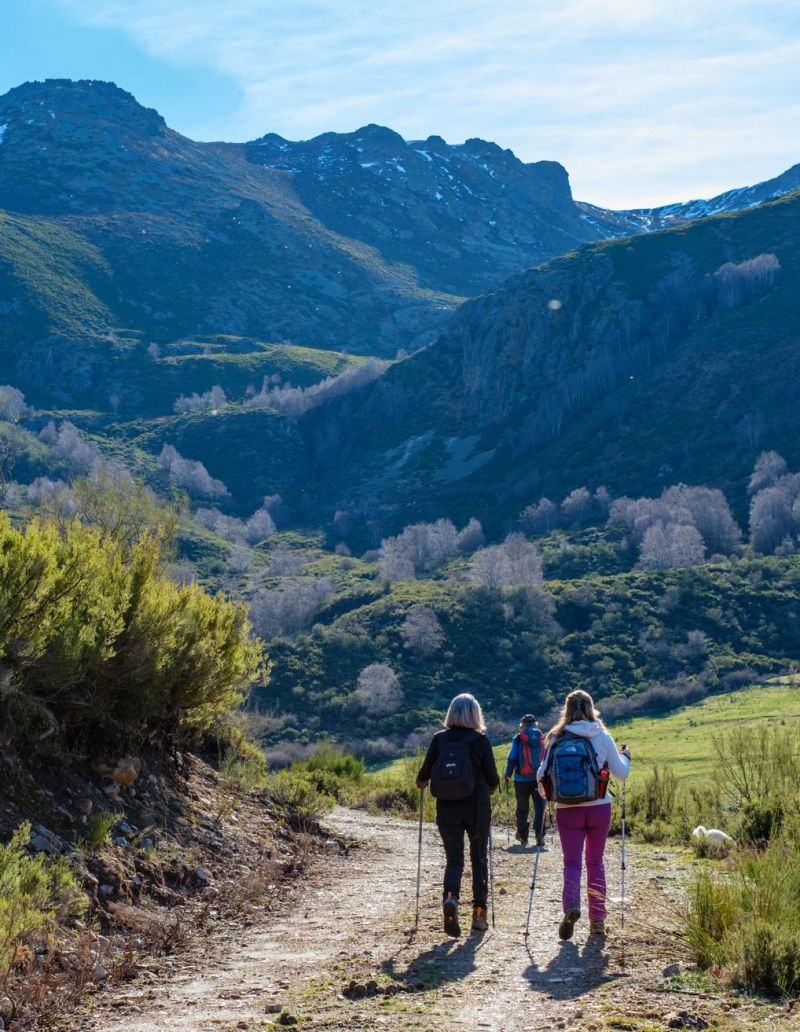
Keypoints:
pixel 450 961
pixel 572 971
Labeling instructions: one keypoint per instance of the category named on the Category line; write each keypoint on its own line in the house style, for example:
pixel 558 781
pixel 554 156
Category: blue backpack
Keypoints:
pixel 572 770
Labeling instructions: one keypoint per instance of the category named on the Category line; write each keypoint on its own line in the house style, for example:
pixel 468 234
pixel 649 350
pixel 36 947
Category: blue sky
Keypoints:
pixel 643 101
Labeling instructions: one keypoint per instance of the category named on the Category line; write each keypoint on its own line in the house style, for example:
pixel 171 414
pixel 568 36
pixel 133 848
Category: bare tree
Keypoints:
pixel 490 568
pixel 288 609
pixel 189 475
pixel 709 512
pixel 540 518
pixel 12 404
pixel 258 527
pixel 740 282
pixel 470 537
pixel 769 468
pixel 673 544
pixel 421 632
pixel 515 563
pixel 420 547
pixel 773 514
pixel 213 399
pixel 525 564
pixel 577 507
pixel 293 401
pixel 68 445
pixel 705 509
pixel 379 690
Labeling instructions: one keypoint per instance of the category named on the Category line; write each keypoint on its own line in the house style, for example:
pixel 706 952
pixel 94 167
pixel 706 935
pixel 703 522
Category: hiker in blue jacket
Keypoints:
pixel 527 750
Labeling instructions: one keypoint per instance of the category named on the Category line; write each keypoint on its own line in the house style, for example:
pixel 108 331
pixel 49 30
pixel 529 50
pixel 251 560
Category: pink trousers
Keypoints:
pixel 578 825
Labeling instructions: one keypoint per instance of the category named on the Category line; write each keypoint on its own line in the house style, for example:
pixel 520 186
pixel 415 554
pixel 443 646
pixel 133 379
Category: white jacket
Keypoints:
pixel 605 750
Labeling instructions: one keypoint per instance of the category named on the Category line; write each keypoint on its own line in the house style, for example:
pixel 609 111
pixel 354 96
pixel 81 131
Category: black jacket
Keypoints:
pixel 459 811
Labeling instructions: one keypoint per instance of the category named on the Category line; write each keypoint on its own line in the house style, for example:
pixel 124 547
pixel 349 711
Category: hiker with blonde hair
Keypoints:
pixel 462 773
pixel 580 756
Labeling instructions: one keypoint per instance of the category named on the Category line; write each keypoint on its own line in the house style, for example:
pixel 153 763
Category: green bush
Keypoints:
pixel 761 820
pixel 768 959
pixel 293 791
pixel 99 647
pixel 239 772
pixel 343 765
pixel 34 894
pixel 711 910
pixel 99 826
pixel 746 919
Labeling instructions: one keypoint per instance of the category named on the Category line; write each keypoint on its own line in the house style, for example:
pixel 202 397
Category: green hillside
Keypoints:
pixel 678 633
pixel 652 367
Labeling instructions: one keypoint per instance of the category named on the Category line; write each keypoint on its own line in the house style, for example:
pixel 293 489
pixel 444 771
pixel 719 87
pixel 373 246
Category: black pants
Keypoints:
pixel 525 791
pixel 477 830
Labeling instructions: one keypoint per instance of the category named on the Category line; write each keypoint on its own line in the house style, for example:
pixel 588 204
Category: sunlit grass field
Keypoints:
pixel 682 740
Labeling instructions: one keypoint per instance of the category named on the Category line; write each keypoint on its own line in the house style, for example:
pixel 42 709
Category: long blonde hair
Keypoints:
pixel 465 711
pixel 579 705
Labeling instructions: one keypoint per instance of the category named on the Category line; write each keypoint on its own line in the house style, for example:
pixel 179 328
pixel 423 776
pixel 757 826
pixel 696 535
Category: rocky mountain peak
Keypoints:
pixel 456 212
pixel 79 146
pixel 56 102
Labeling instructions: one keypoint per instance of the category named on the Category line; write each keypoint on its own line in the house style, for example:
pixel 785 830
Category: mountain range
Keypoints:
pixel 137 265
pixel 358 241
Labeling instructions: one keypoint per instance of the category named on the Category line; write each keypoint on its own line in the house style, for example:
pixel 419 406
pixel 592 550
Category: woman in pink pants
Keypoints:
pixel 585 824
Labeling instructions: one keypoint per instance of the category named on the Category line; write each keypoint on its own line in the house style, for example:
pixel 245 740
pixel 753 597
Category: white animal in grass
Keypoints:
pixel 710 833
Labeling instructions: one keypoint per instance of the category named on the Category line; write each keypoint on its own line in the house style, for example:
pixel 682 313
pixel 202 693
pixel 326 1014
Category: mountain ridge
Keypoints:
pixel 323 243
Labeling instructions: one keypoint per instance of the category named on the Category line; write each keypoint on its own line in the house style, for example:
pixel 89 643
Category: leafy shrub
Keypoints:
pixel 768 958
pixel 761 820
pixel 711 911
pixel 99 646
pixel 746 920
pixel 343 765
pixel 99 826
pixel 706 848
pixel 331 772
pixel 34 894
pixel 239 772
pixel 655 800
pixel 298 795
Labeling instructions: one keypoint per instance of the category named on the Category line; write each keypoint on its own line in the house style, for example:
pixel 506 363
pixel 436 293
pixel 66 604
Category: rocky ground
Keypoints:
pixel 336 949
pixel 164 850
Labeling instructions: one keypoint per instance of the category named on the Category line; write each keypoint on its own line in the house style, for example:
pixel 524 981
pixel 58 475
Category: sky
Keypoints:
pixel 643 101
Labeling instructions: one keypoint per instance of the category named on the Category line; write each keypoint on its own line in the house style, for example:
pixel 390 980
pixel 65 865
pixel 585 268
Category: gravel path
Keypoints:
pixel 353 917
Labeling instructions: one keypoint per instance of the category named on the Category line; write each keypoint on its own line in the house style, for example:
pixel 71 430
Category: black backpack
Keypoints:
pixel 453 774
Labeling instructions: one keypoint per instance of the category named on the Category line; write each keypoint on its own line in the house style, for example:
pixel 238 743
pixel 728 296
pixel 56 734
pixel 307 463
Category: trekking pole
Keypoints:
pixel 491 872
pixel 623 857
pixel 508 817
pixel 419 853
pixel 533 890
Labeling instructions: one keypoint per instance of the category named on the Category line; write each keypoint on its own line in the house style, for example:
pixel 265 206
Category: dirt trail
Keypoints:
pixel 353 918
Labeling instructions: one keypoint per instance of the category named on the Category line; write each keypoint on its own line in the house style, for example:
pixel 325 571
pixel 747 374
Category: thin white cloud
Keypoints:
pixel 644 101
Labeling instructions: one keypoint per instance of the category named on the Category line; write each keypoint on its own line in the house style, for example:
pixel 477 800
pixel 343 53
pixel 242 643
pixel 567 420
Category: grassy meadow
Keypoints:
pixel 682 740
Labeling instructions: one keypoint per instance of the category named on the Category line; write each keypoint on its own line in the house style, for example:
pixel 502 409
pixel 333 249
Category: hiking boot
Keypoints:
pixel 540 843
pixel 522 839
pixel 567 926
pixel 597 928
pixel 450 909
pixel 479 922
